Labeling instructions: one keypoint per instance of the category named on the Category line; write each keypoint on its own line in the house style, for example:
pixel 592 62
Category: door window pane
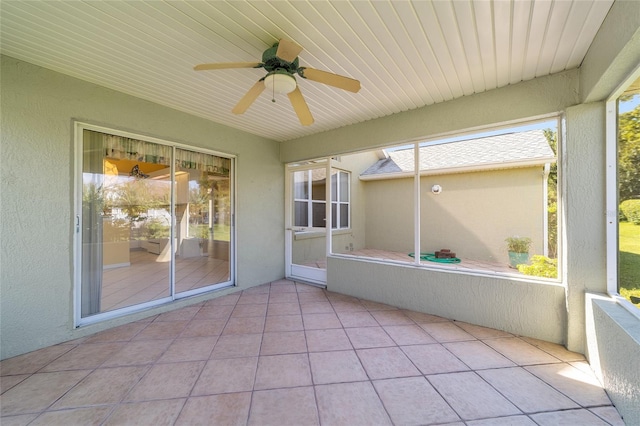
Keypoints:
pixel 203 219
pixel 301 185
pixel 301 213
pixel 125 222
pixel 319 215
pixel 319 184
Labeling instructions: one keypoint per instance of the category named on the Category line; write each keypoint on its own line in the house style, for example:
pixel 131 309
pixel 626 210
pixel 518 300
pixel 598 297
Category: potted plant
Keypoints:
pixel 518 248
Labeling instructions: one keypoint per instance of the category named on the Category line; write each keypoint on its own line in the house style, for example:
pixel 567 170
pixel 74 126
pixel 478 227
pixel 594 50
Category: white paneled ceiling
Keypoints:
pixel 406 54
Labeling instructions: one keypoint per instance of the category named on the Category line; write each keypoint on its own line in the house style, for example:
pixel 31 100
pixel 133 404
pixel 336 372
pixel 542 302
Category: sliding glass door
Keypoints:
pixel 154 223
pixel 203 222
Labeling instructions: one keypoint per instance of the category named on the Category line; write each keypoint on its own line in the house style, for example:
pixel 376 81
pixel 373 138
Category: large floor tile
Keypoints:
pixel 357 319
pixel 226 409
pixel 32 361
pixel 237 345
pixel 386 363
pixel 85 356
pixel 327 340
pixel 91 416
pixel 433 359
pixel 203 328
pixel 408 335
pixel 103 386
pixel 350 404
pixel 391 317
pixel 252 310
pixel 413 401
pixel 526 391
pixel 568 417
pixel 471 397
pixel 283 342
pixel 39 391
pixel 336 367
pixel 189 349
pixel 138 352
pixel 283 323
pixel 296 406
pixel 157 413
pixel 369 337
pixel 446 332
pixel 477 355
pixel 521 352
pixel 167 381
pixel 581 387
pixel 226 376
pixel 505 421
pixel 282 371
pixel 320 321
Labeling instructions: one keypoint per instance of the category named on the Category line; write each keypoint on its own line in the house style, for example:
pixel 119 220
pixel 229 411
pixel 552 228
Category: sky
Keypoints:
pixel 629 105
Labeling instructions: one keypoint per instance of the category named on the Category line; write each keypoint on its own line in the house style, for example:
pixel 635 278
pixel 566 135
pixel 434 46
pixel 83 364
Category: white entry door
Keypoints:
pixel 306 222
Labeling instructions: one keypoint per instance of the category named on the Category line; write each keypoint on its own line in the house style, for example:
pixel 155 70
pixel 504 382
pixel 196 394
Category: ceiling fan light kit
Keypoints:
pixel 280 83
pixel 281 63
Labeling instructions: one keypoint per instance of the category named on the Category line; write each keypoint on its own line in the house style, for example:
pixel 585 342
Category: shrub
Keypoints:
pixel 541 266
pixel 631 210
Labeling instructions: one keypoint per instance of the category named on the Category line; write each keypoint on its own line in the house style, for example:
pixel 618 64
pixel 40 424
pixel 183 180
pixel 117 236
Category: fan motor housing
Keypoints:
pixel 272 62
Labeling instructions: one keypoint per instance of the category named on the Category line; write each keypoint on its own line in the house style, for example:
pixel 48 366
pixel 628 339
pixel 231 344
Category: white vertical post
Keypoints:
pixel 611 139
pixel 416 201
pixel 328 221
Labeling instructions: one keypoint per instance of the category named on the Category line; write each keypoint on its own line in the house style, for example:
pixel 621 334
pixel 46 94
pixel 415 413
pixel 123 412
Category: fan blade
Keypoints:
pixel 331 79
pixel 227 65
pixel 249 98
pixel 300 107
pixel 288 50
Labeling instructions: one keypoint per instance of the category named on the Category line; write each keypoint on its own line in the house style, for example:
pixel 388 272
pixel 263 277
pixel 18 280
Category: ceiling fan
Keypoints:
pixel 281 63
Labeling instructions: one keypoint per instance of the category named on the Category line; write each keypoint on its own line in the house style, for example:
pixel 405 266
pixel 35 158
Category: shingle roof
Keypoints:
pixel 503 151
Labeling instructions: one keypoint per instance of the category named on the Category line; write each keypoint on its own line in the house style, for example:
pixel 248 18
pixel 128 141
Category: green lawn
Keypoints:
pixel 629 258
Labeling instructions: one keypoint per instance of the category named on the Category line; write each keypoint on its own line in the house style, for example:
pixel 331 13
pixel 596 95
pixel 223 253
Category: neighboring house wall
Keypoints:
pixel 472 215
pixel 313 246
pixel 36 280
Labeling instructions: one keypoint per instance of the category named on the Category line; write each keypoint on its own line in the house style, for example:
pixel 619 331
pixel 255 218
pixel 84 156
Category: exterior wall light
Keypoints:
pixel 436 189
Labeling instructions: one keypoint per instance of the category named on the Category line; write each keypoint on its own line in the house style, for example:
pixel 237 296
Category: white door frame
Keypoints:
pixel 300 272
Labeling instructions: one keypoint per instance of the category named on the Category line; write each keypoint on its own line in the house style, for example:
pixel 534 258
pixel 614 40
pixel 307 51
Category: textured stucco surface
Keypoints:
pixel 584 203
pixel 613 337
pixel 38 109
pixel 524 308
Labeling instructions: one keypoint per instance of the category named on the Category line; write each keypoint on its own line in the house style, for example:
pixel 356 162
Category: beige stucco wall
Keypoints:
pixel 519 307
pixel 37 164
pixel 472 215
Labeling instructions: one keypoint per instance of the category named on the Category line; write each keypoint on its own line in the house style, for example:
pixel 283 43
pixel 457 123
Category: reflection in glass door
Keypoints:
pixel 143 238
pixel 203 221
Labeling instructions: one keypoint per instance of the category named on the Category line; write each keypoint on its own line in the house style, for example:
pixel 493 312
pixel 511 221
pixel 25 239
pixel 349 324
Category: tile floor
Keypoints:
pixel 291 354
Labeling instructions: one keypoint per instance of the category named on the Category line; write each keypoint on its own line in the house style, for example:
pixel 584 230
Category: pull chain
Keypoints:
pixel 273 93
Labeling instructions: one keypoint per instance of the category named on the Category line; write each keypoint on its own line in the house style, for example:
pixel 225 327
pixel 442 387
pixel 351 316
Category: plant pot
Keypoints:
pixel 516 259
